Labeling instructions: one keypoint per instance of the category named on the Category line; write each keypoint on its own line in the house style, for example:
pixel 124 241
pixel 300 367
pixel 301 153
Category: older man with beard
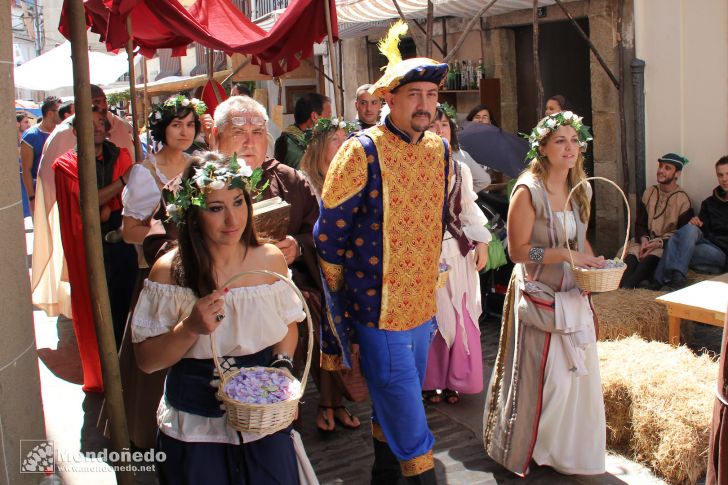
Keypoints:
pixel 378 238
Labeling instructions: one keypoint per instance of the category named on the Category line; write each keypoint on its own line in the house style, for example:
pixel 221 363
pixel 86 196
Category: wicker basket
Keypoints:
pixel 263 418
pixel 598 280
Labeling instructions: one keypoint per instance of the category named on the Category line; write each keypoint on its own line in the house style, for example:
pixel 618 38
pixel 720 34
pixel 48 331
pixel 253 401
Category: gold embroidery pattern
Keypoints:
pixel 417 465
pixel 377 433
pixel 331 362
pixel 347 175
pixel 333 274
pixel 413 184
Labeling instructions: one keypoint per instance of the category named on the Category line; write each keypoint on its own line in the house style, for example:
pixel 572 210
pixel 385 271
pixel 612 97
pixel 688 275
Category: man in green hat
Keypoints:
pixel 663 209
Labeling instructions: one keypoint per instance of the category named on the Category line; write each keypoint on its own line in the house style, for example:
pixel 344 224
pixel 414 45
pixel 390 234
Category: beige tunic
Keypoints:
pixel 516 391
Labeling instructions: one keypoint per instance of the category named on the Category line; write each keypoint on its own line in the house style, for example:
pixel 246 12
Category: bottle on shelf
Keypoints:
pixel 464 81
pixel 481 71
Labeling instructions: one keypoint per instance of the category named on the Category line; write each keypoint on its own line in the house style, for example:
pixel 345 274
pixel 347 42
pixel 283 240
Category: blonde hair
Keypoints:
pixel 539 167
pixel 313 159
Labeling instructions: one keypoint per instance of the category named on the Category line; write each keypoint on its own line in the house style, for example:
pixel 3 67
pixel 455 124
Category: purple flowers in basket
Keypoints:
pixel 256 385
pixel 613 263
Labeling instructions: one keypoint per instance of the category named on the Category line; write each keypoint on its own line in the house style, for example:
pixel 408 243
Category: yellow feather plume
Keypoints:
pixel 389 45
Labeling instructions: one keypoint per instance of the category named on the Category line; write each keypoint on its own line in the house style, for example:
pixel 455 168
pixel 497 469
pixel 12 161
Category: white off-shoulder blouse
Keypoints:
pixel 256 317
pixel 141 195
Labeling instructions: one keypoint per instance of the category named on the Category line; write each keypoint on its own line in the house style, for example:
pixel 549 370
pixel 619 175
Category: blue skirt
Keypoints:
pixel 270 461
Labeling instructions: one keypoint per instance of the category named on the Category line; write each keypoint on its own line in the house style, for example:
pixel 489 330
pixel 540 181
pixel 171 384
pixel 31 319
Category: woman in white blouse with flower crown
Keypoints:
pixel 174 123
pixel 253 321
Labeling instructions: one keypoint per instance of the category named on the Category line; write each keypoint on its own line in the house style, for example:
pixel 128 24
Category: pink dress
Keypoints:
pixel 455 359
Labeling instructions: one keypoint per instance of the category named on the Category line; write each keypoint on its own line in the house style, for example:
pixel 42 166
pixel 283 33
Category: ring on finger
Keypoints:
pixel 219 317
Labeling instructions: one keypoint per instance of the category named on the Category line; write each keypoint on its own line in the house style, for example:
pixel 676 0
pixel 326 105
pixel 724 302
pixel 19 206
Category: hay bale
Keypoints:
pixel 669 395
pixel 624 312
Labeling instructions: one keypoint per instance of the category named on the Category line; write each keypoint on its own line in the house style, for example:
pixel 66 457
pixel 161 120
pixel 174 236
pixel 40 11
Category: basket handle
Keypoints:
pixel 629 214
pixel 304 378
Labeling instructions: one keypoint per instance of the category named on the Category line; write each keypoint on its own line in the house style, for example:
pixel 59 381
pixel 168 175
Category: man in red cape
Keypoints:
pixel 112 171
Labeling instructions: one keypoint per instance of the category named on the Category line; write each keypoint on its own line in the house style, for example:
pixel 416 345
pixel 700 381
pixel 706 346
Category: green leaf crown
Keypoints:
pixel 450 112
pixel 324 125
pixel 183 194
pixel 173 104
pixel 551 123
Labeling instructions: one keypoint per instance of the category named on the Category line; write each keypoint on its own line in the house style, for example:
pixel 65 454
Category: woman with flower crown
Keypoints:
pixel 323 141
pixel 173 123
pixel 185 303
pixel 544 400
pixel 455 359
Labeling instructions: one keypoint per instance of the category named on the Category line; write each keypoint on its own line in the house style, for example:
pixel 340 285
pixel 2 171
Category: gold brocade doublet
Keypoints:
pixel 379 234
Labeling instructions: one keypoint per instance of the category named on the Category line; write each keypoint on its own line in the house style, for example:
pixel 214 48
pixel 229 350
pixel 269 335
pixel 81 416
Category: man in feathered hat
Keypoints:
pixel 379 237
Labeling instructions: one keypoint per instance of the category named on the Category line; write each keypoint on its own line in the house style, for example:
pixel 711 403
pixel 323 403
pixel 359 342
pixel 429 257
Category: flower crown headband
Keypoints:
pixel 450 112
pixel 324 125
pixel 552 123
pixel 182 194
pixel 173 105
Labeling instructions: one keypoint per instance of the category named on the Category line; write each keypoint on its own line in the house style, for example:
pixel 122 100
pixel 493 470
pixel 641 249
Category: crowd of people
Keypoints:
pixel 384 239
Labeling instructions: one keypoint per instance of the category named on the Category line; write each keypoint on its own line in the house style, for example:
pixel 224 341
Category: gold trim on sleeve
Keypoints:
pixel 333 274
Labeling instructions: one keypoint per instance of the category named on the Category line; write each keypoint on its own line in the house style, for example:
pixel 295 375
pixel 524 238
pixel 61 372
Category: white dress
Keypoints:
pixel 141 195
pixel 463 279
pixel 256 317
pixel 572 427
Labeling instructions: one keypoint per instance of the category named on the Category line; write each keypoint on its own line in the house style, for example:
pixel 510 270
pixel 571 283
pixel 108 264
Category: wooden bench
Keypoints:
pixel 703 302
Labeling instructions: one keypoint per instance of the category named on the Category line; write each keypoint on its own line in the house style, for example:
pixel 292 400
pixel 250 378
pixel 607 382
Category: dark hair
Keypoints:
pixel 559 98
pixel 242 88
pixel 307 104
pixel 48 104
pixel 722 161
pixel 192 265
pixel 21 115
pixel 454 144
pixel 94 109
pixel 158 129
pixel 478 108
pixel 65 108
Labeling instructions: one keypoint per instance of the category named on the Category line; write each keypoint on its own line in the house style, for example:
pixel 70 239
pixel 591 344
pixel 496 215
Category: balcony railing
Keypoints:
pixel 261 8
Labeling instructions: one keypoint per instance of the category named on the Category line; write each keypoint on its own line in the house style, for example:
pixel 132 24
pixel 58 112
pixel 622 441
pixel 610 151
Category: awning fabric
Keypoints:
pixel 54 69
pixel 215 24
pixel 352 11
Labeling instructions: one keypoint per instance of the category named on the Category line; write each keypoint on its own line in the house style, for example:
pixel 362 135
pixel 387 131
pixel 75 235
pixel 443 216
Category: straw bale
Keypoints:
pixel 669 395
pixel 625 312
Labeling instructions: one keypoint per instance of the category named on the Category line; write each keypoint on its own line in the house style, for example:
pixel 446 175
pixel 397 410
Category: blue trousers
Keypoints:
pixel 394 365
pixel 688 248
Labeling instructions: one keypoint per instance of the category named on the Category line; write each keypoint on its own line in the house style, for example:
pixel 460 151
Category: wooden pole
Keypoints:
pixel 237 70
pixel 321 71
pixel 332 58
pixel 132 91
pixel 428 44
pixel 414 33
pixel 467 30
pixel 145 76
pixel 537 63
pixel 594 50
pixel 92 237
pixel 210 72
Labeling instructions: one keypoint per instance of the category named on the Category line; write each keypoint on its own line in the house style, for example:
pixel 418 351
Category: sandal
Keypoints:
pixel 432 397
pixel 349 416
pixel 451 397
pixel 323 413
